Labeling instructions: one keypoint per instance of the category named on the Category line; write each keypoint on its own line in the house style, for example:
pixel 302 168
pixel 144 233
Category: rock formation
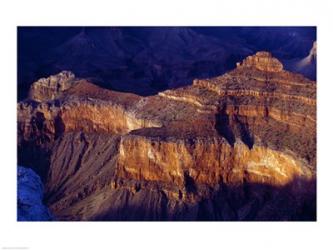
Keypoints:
pixel 241 146
pixel 30 191
pixel 262 61
pixel 50 88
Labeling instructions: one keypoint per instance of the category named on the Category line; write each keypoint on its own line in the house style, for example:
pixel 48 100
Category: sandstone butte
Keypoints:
pixel 241 146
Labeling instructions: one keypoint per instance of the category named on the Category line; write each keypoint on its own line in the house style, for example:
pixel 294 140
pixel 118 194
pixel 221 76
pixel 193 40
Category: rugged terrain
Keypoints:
pixel 30 193
pixel 147 60
pixel 241 146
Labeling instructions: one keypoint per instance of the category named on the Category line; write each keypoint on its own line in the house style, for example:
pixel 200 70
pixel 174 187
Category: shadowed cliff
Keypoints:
pixel 295 201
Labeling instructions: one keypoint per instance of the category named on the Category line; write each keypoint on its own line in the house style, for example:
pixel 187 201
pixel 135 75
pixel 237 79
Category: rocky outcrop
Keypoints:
pixel 206 162
pixel 30 192
pixel 50 88
pixel 83 107
pixel 241 146
pixel 262 61
pixel 99 189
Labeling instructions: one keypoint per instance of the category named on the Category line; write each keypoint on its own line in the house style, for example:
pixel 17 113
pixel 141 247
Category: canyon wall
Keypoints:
pixel 241 146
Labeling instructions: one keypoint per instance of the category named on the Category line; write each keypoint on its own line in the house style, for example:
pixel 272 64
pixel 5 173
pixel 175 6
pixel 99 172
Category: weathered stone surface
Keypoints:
pixel 206 162
pixel 30 192
pixel 220 149
pixel 262 61
pixel 46 89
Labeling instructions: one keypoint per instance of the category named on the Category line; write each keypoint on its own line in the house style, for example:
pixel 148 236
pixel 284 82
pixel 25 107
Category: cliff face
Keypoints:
pixel 206 162
pixel 241 146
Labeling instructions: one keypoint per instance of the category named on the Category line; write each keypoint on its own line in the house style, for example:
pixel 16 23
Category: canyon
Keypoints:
pixel 148 60
pixel 240 146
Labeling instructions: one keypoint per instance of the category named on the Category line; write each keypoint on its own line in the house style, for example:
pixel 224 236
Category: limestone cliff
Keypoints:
pixel 241 146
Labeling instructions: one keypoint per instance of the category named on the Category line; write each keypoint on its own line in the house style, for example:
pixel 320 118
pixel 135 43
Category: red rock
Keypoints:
pixel 181 153
pixel 262 61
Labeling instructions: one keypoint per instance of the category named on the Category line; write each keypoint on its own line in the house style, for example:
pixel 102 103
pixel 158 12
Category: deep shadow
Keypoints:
pixel 295 201
pixel 245 133
pixel 35 152
pixel 122 58
pixel 59 126
pixel 222 126
pixel 34 157
pixel 190 185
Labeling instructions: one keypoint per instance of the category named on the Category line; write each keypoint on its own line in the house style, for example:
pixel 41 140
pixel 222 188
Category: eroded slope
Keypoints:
pixel 239 146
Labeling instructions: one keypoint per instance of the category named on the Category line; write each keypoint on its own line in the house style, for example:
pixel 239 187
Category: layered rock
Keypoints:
pixel 206 162
pixel 50 88
pixel 238 146
pixel 262 61
pixel 99 190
